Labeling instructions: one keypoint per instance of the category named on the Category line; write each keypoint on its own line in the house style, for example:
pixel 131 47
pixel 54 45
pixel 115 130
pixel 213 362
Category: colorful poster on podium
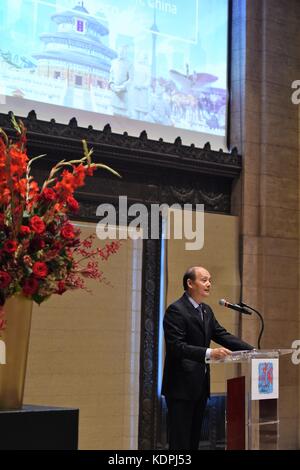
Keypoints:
pixel 264 379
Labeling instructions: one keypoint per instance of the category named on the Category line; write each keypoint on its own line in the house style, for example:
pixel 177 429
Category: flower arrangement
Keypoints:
pixel 40 249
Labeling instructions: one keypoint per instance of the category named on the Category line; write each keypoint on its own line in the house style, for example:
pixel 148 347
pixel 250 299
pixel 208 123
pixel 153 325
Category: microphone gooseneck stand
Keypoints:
pixel 261 319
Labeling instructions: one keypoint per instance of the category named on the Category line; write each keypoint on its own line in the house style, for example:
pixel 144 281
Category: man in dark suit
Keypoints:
pixel 189 326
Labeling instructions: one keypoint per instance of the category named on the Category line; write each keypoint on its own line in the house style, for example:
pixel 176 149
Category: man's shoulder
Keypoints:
pixel 177 304
pixel 176 311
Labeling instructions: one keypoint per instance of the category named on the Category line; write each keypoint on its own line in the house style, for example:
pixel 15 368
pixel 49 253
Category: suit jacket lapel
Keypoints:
pixel 194 312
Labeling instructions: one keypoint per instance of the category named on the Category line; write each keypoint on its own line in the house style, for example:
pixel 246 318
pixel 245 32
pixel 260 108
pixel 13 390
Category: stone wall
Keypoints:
pixel 264 127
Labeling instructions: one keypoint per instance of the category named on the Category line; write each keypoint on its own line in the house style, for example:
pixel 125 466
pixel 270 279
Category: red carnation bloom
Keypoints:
pixel 10 246
pixel 30 286
pixel 24 230
pixel 37 224
pixel 49 194
pixel 61 287
pixel 5 279
pixel 68 231
pixel 72 204
pixel 1 219
pixel 40 269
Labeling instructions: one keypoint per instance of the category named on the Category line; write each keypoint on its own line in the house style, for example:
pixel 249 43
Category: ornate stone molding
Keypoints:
pixel 149 345
pixel 136 150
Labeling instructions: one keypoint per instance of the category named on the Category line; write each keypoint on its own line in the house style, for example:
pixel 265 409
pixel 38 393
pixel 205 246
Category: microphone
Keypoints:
pixel 236 307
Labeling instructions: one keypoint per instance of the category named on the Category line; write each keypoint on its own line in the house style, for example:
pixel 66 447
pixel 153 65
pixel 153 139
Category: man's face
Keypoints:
pixel 200 287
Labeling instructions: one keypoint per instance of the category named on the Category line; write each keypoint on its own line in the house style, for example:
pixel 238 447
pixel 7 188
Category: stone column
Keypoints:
pixel 264 127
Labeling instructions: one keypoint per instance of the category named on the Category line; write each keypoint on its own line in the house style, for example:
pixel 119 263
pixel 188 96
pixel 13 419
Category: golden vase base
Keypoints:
pixel 15 337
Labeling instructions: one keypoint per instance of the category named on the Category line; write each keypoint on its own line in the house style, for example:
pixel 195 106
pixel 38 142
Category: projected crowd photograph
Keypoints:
pixel 153 61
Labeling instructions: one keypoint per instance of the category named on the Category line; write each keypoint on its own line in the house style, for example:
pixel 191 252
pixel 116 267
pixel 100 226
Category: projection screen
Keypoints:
pixel 158 65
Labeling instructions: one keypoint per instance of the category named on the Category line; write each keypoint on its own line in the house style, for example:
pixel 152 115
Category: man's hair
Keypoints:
pixel 189 274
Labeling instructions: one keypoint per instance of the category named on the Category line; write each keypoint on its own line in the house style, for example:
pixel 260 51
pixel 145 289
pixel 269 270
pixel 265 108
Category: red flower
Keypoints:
pixel 65 187
pixel 90 170
pixel 10 246
pixel 47 256
pixel 67 231
pixel 30 286
pixel 25 230
pixel 49 194
pixel 61 287
pixel 20 186
pixel 37 224
pixel 79 175
pixel 4 196
pixel 33 192
pixel 72 204
pixel 18 161
pixel 5 280
pixel 40 269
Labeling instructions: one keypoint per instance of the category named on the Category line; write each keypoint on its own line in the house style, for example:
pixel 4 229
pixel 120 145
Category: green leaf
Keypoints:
pixel 39 298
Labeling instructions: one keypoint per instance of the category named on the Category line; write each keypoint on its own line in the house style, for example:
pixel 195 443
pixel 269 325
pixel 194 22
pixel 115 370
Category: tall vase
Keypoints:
pixel 15 337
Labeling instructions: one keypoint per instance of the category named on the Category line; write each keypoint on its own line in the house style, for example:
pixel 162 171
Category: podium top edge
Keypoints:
pixel 246 355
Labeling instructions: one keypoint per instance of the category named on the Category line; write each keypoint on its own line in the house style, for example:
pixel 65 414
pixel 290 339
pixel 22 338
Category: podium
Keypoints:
pixel 252 398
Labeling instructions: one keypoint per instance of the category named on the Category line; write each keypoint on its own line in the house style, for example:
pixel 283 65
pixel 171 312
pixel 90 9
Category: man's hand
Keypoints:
pixel 219 353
